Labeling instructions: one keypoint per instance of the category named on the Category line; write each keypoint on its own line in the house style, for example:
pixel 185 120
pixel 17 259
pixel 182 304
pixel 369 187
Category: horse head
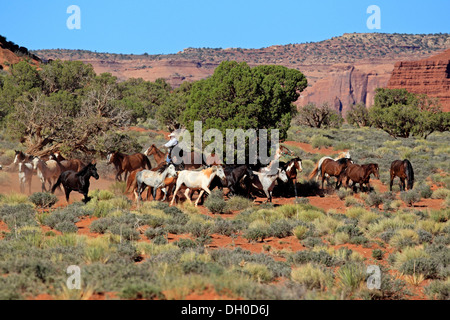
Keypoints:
pixel 282 175
pixel 111 157
pixel 376 170
pixel 92 170
pixel 219 172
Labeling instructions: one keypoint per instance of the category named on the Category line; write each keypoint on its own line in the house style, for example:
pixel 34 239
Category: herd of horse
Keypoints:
pixel 201 176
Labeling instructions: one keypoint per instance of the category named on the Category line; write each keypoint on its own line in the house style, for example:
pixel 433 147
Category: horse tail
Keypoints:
pixel 314 172
pixel 57 184
pixel 409 173
pixel 147 163
pixel 131 183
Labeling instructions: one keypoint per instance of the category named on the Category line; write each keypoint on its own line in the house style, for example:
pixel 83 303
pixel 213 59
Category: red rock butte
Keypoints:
pixel 430 76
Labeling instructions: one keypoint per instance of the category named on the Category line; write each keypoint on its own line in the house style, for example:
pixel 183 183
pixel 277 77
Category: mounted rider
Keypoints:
pixel 173 142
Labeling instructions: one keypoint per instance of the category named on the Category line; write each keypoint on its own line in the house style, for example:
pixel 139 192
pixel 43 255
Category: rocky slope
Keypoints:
pixel 429 76
pixel 341 71
pixel 10 54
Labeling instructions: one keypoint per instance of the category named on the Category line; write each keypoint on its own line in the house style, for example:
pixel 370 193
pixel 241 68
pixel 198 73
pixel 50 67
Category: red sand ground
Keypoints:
pixel 269 246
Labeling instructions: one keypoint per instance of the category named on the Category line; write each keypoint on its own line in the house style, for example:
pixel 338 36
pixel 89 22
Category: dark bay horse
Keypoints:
pixel 292 168
pixel 334 169
pixel 360 174
pixel 128 163
pixel 403 170
pixel 77 181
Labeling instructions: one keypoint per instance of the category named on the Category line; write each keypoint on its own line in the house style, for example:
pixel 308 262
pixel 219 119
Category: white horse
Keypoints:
pixel 317 172
pixel 47 171
pixel 25 176
pixel 154 179
pixel 197 180
pixel 265 180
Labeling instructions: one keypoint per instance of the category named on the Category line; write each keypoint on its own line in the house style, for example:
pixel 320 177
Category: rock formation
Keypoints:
pixel 429 76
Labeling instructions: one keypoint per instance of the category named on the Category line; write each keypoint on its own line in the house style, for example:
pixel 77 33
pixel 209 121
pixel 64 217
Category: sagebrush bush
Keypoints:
pixel 441 194
pixel 215 202
pixel 43 199
pixel 410 197
pixel 439 290
pixel 320 142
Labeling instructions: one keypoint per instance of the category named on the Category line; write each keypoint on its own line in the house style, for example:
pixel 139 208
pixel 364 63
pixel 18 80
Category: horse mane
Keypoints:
pixel 409 173
pixel 343 160
pixel 161 168
pixel 83 171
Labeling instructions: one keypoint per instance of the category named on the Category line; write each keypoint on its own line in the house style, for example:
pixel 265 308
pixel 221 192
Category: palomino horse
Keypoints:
pixel 77 181
pixel 47 171
pixel 154 179
pixel 317 172
pixel 403 170
pixel 265 180
pixel 25 175
pixel 67 165
pixel 334 169
pixel 128 163
pixel 197 180
pixel 293 168
pixel 360 174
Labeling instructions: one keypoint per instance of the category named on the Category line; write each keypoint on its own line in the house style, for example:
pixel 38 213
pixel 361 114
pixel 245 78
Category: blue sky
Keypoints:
pixel 169 26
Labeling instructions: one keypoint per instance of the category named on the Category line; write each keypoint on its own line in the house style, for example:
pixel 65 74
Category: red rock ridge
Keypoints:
pixel 429 76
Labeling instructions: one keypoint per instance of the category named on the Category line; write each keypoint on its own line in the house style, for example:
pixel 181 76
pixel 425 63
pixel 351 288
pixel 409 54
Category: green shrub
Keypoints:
pixel 410 197
pixel 320 142
pixel 152 233
pixel 301 232
pixel 438 290
pixel 215 202
pixel 425 191
pixel 427 267
pixel 66 227
pixel 311 276
pixel 377 254
pixel 441 194
pixel 258 272
pixel 350 277
pixel 141 291
pixel 238 203
pixel 281 229
pixel 43 199
pixel 374 200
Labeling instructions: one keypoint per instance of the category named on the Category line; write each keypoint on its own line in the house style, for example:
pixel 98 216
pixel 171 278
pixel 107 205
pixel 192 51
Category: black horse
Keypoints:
pixel 77 181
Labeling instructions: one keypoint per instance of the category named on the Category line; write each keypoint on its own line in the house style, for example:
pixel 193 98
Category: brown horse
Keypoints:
pixel 360 174
pixel 67 165
pixel 334 169
pixel 128 163
pixel 159 156
pixel 292 168
pixel 403 170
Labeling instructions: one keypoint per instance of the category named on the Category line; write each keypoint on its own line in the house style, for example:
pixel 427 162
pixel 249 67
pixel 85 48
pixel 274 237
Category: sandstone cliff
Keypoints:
pixel 429 76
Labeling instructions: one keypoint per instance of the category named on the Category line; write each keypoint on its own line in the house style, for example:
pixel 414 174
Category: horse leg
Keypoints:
pixel 175 194
pixel 403 184
pixel 67 191
pixel 294 181
pixel 187 195
pixel 199 197
pixel 391 183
